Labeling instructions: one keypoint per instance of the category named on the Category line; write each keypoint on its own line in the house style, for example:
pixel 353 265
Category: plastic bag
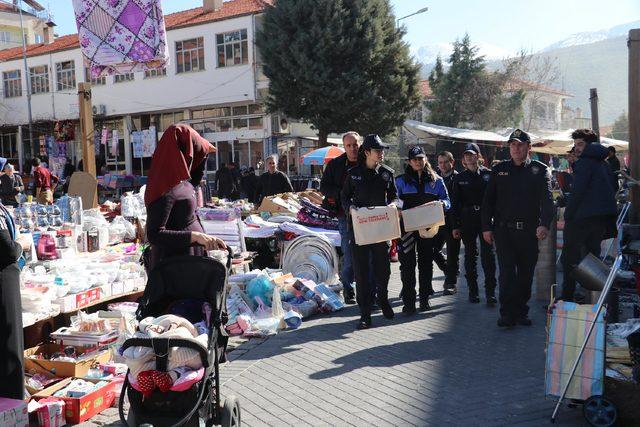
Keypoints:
pixel 121 230
pixel 93 218
pixel 261 287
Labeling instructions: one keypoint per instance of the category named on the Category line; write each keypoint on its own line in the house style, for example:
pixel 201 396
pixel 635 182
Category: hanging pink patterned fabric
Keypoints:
pixel 121 36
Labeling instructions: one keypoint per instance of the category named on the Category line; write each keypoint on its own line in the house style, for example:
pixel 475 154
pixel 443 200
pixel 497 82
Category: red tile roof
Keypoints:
pixel 185 18
pixel 425 89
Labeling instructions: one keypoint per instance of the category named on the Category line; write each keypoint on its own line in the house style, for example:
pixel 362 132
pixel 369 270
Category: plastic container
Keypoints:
pixel 46 249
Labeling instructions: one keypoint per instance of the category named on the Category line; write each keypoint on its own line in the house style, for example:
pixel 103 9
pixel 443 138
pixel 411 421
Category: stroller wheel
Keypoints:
pixel 231 412
pixel 599 411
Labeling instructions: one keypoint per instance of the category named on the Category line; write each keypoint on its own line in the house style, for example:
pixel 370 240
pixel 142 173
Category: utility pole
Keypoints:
pixel 86 129
pixel 634 120
pixel 27 77
pixel 595 120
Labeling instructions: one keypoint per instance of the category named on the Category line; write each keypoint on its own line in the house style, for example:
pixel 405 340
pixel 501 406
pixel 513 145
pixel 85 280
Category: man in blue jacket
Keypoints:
pixel 590 214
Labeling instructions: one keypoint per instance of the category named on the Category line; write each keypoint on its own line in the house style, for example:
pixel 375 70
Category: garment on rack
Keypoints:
pixel 121 36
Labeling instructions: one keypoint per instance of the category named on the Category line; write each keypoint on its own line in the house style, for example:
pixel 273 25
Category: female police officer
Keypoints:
pixel 418 185
pixel 368 184
pixel 466 198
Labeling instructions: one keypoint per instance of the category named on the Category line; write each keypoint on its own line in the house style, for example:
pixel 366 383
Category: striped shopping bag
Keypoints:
pixel 567 330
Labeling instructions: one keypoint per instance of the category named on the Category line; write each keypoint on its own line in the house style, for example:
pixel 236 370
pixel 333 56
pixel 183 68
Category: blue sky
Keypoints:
pixel 498 25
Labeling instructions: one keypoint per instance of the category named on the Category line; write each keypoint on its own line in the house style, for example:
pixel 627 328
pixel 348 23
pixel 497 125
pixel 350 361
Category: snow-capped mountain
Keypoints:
pixel 593 36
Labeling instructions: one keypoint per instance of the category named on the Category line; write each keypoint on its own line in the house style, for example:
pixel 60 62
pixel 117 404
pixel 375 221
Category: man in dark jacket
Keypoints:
pixel 225 182
pixel 614 165
pixel 448 173
pixel 591 209
pixel 10 186
pixel 249 183
pixel 273 181
pixel 331 185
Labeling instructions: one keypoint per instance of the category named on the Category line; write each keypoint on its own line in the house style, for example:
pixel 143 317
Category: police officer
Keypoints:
pixel 516 212
pixel 448 174
pixel 369 184
pixel 417 186
pixel 467 192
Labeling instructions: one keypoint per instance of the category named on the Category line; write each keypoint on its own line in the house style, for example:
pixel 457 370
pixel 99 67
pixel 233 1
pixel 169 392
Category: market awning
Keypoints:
pixel 428 130
pixel 333 141
pixel 559 142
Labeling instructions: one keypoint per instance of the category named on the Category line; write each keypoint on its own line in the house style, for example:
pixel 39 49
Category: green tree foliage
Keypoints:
pixel 620 128
pixel 468 94
pixel 338 64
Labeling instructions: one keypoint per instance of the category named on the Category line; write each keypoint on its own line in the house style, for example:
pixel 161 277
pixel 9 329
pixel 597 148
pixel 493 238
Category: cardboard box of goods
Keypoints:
pixel 81 409
pixel 13 413
pixel 375 225
pixel 60 368
pixel 75 301
pixel 424 216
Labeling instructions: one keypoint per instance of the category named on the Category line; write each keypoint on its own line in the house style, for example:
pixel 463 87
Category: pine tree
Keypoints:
pixel 620 128
pixel 468 94
pixel 338 64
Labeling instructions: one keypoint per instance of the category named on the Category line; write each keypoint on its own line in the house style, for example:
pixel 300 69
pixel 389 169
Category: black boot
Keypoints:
pixel 349 297
pixel 387 311
pixel 491 297
pixel 424 305
pixel 364 322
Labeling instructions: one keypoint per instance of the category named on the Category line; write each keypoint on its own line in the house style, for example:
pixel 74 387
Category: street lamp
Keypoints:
pixel 423 10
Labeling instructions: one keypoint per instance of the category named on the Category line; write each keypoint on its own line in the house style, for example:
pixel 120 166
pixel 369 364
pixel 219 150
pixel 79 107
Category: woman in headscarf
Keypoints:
pixel 177 167
pixel 11 338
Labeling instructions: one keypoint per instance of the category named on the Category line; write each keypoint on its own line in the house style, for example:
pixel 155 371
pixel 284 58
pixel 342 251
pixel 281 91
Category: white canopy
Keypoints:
pixel 551 142
pixel 428 130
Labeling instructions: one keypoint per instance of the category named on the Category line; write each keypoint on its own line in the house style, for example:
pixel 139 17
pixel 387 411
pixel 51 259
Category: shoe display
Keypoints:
pixel 474 299
pixel 506 322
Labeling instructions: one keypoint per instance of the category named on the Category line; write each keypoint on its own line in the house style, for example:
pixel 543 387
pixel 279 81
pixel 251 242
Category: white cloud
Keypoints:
pixel 427 54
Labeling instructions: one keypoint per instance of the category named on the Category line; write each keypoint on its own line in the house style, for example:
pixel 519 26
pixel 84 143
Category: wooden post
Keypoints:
pixel 595 120
pixel 86 129
pixel 634 120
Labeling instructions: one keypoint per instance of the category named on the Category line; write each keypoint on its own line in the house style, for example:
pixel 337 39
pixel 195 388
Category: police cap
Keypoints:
pixel 373 142
pixel 416 152
pixel 472 147
pixel 520 135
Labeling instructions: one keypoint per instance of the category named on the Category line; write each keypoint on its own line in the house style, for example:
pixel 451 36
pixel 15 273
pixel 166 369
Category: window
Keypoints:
pixel 232 48
pixel 190 55
pixel 256 109
pixel 100 81
pixel 217 112
pixel 5 36
pixel 150 74
pixel 8 146
pixel 240 111
pixel 12 84
pixel 39 38
pixel 168 119
pixel 240 124
pixel 196 114
pixel 39 79
pixel 119 78
pixel 255 123
pixel 66 75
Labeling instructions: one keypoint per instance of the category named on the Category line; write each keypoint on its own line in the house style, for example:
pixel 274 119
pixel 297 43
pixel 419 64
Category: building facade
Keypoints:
pixel 213 82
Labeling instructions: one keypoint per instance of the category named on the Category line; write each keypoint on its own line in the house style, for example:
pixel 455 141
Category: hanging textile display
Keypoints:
pixel 114 142
pixel 144 142
pixel 121 36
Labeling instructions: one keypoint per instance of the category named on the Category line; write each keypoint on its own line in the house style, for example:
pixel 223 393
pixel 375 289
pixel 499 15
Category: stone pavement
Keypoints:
pixel 449 366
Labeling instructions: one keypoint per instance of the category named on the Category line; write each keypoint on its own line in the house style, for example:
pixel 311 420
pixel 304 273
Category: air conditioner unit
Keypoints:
pixel 280 125
pixel 100 110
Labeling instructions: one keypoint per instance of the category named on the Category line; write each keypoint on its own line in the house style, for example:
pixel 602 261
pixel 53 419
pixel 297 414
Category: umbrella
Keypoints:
pixel 322 155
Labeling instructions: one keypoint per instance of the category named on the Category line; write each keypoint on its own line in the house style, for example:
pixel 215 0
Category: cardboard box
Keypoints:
pixel 424 216
pixel 58 368
pixel 375 225
pixel 13 413
pixel 76 301
pixel 81 409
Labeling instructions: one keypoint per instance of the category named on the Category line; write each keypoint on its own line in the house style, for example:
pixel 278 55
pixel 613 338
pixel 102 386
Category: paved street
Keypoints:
pixel 450 366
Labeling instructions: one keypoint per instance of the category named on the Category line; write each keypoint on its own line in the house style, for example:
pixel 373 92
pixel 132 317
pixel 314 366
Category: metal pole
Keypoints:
pixel 634 120
pixel 600 305
pixel 28 80
pixel 595 120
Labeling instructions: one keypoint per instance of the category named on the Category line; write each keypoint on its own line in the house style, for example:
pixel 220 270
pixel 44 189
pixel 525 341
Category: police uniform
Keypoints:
pixel 415 190
pixel 467 192
pixel 517 200
pixel 453 245
pixel 366 187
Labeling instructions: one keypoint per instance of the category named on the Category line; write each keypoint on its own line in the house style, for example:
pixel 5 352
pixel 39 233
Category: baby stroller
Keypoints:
pixel 184 278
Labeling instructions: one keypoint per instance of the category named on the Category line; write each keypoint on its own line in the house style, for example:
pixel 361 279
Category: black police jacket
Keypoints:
pixel 593 189
pixel 467 192
pixel 366 187
pixel 518 194
pixel 333 180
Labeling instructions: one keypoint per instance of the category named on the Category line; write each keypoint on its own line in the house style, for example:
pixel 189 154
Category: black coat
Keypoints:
pixel 333 180
pixel 593 190
pixel 8 192
pixel 226 182
pixel 273 183
pixel 11 335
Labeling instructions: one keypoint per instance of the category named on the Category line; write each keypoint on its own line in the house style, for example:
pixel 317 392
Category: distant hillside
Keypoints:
pixel 602 65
